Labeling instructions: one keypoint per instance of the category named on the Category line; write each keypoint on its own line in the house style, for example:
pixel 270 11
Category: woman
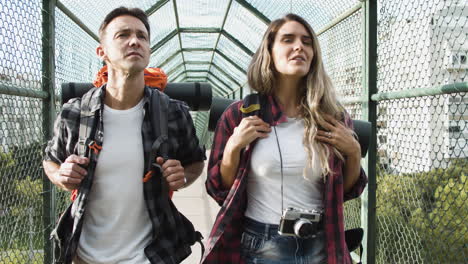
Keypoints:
pixel 300 152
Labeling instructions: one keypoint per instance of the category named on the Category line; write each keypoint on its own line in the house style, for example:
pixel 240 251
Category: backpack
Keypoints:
pixel 252 105
pixel 88 147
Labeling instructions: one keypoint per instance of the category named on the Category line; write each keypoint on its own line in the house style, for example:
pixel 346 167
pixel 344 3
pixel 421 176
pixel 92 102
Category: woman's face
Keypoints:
pixel 292 51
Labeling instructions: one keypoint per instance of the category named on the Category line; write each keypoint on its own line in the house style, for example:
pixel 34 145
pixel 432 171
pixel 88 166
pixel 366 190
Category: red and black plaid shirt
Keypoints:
pixel 223 245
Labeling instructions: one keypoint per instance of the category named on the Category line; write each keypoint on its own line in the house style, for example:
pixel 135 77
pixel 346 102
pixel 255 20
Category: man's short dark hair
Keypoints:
pixel 124 11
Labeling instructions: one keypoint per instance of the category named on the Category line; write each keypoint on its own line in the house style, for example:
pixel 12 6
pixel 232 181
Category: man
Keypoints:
pixel 120 221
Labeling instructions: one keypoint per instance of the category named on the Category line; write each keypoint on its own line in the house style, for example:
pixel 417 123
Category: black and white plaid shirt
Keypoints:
pixel 184 146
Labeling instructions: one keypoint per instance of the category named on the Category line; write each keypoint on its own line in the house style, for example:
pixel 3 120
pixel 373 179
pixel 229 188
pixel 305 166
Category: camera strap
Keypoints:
pixel 281 169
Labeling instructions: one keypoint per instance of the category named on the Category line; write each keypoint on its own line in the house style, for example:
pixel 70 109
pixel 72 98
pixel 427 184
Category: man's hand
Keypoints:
pixel 69 174
pixel 176 175
pixel 173 172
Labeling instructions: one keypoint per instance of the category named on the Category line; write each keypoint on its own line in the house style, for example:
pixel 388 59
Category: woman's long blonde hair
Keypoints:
pixel 316 95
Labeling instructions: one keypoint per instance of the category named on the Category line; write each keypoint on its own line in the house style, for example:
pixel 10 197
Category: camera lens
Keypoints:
pixel 304 228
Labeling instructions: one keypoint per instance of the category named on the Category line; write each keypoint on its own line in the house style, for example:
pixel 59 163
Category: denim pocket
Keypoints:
pixel 251 242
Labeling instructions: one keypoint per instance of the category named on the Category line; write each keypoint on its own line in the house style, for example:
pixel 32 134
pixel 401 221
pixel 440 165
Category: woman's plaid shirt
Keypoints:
pixel 184 146
pixel 223 245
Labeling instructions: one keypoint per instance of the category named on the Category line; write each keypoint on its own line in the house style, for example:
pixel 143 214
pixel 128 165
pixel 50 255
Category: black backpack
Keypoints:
pixel 87 147
pixel 253 103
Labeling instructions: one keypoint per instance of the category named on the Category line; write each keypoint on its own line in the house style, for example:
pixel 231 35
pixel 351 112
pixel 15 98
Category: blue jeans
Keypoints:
pixel 261 243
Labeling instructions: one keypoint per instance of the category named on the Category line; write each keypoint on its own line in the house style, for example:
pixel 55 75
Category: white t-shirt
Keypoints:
pixel 264 180
pixel 116 225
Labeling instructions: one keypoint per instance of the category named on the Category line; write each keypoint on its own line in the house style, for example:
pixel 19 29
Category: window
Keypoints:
pixel 458 60
pixel 454 129
pixel 462 59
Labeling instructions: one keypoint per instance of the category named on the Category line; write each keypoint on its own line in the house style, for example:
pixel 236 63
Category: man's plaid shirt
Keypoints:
pixel 183 146
pixel 223 245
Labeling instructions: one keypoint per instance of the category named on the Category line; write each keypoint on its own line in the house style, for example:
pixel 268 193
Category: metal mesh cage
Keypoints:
pixel 417 104
pixel 422 148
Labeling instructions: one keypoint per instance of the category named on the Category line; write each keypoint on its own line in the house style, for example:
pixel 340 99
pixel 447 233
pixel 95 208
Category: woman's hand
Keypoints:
pixel 249 129
pixel 339 136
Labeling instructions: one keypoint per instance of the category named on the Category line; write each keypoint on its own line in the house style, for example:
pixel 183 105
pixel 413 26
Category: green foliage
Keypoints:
pixel 422 216
pixel 21 257
pixel 23 220
pixel 21 226
pixel 7 194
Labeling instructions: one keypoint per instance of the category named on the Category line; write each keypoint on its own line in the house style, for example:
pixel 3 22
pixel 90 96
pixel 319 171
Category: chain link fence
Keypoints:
pixel 342 51
pixel 422 188
pixel 421 109
pixel 21 225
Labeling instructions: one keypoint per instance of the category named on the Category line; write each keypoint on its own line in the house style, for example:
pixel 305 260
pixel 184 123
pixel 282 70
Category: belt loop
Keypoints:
pixel 267 231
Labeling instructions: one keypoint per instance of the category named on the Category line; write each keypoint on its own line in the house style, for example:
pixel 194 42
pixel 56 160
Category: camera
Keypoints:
pixel 299 222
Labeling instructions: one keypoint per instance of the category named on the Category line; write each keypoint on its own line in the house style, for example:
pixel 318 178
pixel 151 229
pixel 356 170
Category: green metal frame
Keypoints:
pixel 217 79
pixel 16 91
pixel 217 87
pixel 221 81
pixel 75 19
pixel 176 13
pixel 227 75
pixel 171 71
pixel 221 31
pixel 436 90
pixel 48 113
pixel 222 28
pixel 178 75
pixel 197 62
pixel 231 61
pixel 213 64
pixel 254 11
pixel 368 199
pixel 182 51
pixel 238 43
pixel 224 56
pixel 369 99
pixel 164 40
pixel 341 17
pixel 156 7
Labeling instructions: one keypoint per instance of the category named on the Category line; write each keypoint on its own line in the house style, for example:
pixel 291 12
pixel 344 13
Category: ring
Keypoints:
pixel 329 135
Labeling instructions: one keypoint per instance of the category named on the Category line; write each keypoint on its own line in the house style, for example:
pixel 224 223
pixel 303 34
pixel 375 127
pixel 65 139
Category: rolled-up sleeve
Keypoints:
pixel 358 187
pixel 223 131
pixel 54 149
pixel 65 136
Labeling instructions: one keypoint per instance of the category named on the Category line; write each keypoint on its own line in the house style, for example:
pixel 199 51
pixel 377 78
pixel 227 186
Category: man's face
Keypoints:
pixel 125 45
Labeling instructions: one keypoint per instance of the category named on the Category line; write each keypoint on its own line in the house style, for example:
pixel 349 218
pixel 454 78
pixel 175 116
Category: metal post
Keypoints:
pixel 368 212
pixel 48 114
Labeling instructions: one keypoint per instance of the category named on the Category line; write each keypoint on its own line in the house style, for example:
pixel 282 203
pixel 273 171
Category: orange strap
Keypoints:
pixel 148 176
pixel 74 194
pixel 95 147
pixel 154 77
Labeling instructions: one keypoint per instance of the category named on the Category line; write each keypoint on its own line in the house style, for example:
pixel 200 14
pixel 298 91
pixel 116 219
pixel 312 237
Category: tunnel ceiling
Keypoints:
pixel 207 40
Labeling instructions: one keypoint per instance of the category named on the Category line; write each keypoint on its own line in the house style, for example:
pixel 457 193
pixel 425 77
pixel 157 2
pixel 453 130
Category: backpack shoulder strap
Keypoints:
pixel 250 105
pixel 255 104
pixel 159 104
pixel 88 124
pixel 158 107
